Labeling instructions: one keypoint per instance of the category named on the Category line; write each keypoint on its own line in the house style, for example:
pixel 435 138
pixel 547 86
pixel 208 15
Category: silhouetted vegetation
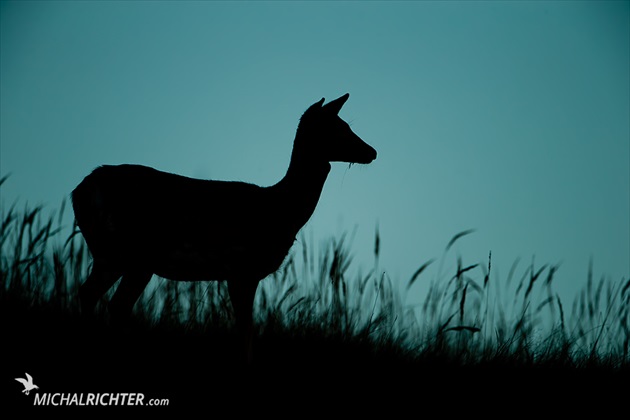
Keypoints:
pixel 314 319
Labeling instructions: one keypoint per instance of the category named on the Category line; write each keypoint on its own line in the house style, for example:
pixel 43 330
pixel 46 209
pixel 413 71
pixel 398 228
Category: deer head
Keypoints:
pixel 323 135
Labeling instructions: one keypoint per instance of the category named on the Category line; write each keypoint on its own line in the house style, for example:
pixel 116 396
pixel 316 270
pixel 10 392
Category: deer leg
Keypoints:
pixel 129 290
pixel 98 282
pixel 242 296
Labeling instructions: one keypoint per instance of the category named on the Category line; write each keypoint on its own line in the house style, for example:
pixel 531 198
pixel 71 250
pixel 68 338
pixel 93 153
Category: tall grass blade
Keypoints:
pixel 457 237
pixel 419 271
pixel 4 178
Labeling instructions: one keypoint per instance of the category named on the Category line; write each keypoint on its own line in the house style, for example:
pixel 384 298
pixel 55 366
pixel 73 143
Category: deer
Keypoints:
pixel 138 221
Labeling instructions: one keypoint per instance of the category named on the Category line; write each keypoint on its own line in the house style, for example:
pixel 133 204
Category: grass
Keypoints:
pixel 316 322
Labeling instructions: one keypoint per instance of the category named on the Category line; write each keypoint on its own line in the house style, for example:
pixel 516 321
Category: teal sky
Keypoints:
pixel 511 118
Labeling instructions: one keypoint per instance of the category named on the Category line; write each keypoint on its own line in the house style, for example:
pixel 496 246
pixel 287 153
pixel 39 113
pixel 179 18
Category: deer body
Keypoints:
pixel 138 221
pixel 187 229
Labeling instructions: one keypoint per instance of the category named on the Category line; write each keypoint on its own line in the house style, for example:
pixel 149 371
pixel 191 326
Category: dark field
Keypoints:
pixel 326 339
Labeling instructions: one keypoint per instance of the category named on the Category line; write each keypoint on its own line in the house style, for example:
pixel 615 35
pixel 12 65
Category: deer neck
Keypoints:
pixel 298 192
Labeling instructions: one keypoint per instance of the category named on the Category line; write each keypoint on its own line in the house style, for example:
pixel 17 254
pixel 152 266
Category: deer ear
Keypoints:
pixel 316 106
pixel 335 106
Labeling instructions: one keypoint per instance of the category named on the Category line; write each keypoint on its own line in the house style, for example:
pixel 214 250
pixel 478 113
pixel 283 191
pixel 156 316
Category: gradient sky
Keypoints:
pixel 511 118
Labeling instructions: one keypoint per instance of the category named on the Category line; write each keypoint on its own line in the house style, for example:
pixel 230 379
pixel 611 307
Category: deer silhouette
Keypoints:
pixel 138 221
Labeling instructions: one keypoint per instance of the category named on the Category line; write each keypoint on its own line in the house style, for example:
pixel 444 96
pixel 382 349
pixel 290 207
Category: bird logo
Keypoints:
pixel 28 384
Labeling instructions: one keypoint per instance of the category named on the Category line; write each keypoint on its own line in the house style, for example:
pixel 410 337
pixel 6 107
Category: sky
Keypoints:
pixel 510 118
